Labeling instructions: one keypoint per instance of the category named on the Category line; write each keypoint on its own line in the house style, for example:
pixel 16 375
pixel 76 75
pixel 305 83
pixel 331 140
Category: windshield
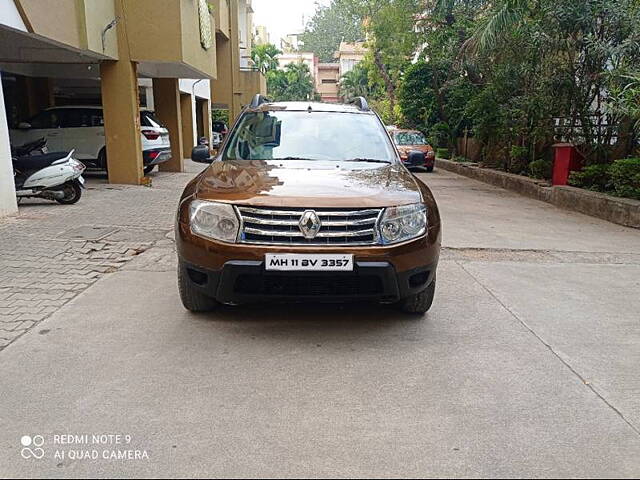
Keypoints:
pixel 288 135
pixel 148 119
pixel 410 138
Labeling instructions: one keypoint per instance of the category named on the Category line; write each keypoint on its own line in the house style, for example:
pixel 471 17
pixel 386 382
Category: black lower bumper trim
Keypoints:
pixel 248 281
pixel 161 155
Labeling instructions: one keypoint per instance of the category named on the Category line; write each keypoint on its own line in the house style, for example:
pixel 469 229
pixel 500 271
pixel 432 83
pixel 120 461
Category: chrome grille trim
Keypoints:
pixel 330 223
pixel 279 233
pixel 320 212
pixel 280 226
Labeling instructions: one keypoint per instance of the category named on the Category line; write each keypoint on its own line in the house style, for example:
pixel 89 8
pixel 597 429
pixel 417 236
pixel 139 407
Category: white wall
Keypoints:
pixel 197 89
pixel 8 205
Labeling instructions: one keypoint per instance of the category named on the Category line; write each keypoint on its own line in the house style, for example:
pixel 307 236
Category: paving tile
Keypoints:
pixel 49 255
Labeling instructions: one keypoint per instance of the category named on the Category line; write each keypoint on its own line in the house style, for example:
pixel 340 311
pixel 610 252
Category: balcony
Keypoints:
pixel 173 44
pixel 78 24
pixel 221 15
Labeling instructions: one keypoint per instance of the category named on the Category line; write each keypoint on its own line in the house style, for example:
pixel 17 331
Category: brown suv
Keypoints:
pixel 307 202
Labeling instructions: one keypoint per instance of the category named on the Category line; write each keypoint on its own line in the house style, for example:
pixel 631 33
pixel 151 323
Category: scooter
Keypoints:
pixel 52 176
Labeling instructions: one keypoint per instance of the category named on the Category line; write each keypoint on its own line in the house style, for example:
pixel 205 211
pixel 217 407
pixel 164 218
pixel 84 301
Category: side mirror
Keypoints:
pixel 200 154
pixel 24 125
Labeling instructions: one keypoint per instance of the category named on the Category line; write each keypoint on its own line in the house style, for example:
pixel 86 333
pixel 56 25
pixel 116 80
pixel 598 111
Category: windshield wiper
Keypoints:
pixel 370 160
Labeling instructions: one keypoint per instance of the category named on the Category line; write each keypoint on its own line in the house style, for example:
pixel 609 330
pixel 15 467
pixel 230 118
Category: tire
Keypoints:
pixel 148 169
pixel 420 302
pixel 72 193
pixel 192 299
pixel 102 160
pixel 429 169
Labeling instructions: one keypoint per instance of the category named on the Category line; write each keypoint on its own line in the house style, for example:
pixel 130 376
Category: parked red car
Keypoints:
pixel 409 141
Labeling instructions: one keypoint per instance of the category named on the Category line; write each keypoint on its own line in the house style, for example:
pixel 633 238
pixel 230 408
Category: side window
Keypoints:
pixel 97 118
pixel 48 119
pixel 82 118
pixel 72 119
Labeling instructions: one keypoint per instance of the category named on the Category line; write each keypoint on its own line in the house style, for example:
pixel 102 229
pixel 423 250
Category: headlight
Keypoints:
pixel 214 220
pixel 403 223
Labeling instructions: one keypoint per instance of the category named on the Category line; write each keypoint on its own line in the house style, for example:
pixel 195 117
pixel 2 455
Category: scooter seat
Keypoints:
pixel 38 162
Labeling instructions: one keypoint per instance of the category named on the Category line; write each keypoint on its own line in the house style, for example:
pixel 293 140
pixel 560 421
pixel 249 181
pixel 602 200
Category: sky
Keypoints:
pixel 284 16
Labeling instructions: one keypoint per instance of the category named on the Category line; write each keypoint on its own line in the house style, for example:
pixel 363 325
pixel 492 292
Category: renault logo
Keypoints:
pixel 309 224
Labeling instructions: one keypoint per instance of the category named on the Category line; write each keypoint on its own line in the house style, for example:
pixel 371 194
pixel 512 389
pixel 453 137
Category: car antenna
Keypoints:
pixel 309 109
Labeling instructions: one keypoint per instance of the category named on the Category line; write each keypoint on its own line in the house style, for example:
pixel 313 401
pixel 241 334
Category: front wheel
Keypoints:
pixel 420 302
pixel 192 299
pixel 72 193
pixel 430 169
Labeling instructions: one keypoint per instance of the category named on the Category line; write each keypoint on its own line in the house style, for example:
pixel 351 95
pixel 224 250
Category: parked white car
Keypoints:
pixel 81 128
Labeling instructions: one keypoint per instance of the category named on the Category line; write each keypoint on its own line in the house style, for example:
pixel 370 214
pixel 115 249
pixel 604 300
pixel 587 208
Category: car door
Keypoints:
pixel 46 125
pixel 83 132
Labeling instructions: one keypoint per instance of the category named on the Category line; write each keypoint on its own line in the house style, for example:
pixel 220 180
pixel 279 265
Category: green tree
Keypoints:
pixel 328 27
pixel 560 59
pixel 294 83
pixel 265 57
pixel 389 26
pixel 355 83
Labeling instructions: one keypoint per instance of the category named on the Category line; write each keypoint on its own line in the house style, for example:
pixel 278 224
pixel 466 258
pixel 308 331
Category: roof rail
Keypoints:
pixel 258 100
pixel 361 103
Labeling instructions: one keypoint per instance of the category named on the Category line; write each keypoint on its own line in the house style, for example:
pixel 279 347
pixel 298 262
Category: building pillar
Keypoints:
pixel 226 90
pixel 121 108
pixel 236 80
pixel 166 99
pixel 222 86
pixel 40 94
pixel 33 94
pixel 205 111
pixel 8 204
pixel 186 112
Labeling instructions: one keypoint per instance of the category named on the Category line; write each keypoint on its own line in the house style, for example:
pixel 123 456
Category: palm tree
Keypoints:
pixel 355 83
pixel 300 81
pixel 265 57
pixel 294 83
pixel 504 16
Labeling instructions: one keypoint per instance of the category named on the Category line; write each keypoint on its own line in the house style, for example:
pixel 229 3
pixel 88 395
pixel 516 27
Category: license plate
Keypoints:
pixel 309 262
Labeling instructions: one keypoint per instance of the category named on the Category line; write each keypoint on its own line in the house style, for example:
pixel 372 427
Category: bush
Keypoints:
pixel 518 160
pixel 442 153
pixel 541 168
pixel 594 177
pixel 440 134
pixel 625 177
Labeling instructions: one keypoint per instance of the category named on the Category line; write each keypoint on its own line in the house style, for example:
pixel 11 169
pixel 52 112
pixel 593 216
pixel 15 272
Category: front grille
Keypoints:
pixel 309 285
pixel 280 226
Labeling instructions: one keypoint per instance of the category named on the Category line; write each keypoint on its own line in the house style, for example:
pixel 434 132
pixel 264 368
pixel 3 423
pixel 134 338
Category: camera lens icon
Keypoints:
pixel 28 442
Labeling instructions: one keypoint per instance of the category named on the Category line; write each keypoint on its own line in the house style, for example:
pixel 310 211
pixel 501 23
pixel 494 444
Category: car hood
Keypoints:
pixel 305 183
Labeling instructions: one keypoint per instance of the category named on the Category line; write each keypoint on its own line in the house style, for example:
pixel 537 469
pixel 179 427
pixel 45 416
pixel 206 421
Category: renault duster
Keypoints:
pixel 307 202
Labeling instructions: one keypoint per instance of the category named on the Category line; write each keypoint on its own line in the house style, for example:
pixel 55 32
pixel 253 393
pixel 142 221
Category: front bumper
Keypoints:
pixel 428 163
pixel 245 281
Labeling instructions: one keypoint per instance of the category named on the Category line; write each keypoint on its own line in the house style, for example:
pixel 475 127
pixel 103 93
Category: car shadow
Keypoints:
pixel 303 320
